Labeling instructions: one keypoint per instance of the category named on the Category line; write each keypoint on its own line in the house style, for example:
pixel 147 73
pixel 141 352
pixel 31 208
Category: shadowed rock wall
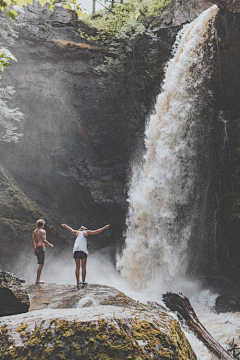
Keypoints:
pixel 81 128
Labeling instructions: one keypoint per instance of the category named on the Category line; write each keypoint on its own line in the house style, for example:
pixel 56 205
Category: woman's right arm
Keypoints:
pixel 75 232
pixel 98 231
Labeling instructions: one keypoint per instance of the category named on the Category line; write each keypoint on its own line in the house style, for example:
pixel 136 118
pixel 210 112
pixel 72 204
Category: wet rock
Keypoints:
pixel 68 296
pixel 232 6
pixel 110 326
pixel 18 215
pixel 228 303
pixel 13 296
pixel 186 11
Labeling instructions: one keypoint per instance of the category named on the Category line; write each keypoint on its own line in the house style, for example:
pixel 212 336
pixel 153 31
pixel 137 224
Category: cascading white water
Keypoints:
pixel 164 189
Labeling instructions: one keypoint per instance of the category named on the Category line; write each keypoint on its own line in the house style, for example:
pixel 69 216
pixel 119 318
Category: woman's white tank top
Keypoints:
pixel 80 243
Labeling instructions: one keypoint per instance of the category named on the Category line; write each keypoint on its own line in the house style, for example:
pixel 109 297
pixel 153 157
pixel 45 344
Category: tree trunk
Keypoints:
pixel 181 304
pixel 93 6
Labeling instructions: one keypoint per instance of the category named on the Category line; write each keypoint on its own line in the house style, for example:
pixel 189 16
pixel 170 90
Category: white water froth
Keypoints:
pixel 163 192
pixel 101 270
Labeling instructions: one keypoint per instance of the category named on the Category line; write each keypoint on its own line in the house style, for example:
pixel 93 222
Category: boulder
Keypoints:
pixel 13 296
pixel 233 6
pixel 69 296
pixel 228 303
pixel 105 324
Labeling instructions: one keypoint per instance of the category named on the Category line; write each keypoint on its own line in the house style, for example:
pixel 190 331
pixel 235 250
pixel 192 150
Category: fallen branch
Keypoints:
pixel 181 304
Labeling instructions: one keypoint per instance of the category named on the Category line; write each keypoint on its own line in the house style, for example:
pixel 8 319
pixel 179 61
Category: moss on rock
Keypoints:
pixel 103 339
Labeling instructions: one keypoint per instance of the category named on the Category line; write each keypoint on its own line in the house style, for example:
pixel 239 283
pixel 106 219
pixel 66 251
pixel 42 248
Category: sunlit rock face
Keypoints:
pixel 105 324
pixel 187 11
pixel 183 11
pixel 13 296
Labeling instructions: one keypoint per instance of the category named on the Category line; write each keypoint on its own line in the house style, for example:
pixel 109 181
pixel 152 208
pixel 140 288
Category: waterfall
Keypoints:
pixel 165 188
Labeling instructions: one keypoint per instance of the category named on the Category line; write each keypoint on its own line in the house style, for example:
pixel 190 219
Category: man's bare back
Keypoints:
pixel 39 235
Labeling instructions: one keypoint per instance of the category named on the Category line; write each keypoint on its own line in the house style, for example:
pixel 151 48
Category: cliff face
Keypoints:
pixel 81 127
pixel 224 193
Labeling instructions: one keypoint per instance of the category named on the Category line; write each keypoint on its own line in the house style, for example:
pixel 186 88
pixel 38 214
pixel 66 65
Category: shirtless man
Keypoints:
pixel 80 249
pixel 38 242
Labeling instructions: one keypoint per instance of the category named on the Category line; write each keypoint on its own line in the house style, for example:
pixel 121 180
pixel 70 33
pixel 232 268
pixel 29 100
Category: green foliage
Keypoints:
pixel 74 5
pixel 6 6
pixel 6 58
pixel 123 20
pixel 153 8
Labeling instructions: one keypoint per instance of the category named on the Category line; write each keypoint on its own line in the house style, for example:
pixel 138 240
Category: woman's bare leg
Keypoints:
pixel 77 272
pixel 84 263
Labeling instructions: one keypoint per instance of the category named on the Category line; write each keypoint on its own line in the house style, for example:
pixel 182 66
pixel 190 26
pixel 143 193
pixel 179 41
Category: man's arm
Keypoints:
pixel 75 232
pixel 45 240
pixel 98 231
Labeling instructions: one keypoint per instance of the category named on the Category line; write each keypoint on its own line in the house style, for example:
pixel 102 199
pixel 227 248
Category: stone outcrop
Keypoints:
pixel 184 11
pixel 67 296
pixel 106 325
pixel 232 6
pixel 228 303
pixel 18 214
pixel 13 296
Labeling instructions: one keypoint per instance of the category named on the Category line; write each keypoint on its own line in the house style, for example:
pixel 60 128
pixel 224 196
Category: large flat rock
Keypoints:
pixel 109 325
pixel 68 296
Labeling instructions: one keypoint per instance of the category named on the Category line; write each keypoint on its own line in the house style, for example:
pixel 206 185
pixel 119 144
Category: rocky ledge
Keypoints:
pixel 101 323
pixel 13 296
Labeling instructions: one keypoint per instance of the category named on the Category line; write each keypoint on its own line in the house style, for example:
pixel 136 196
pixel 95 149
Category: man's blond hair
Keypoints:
pixel 40 223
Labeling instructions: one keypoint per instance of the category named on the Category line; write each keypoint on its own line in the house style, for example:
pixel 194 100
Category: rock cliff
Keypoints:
pixel 81 127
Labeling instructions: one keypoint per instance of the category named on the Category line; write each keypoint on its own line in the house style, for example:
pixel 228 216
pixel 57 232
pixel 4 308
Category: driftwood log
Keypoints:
pixel 181 304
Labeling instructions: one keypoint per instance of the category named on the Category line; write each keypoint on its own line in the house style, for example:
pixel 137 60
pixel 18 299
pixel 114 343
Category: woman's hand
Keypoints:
pixel 107 226
pixel 63 226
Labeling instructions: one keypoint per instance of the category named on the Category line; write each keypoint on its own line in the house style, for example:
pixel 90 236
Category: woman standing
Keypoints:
pixel 80 251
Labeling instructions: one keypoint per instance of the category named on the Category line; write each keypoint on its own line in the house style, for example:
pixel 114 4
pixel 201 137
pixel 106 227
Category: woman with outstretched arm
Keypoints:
pixel 80 251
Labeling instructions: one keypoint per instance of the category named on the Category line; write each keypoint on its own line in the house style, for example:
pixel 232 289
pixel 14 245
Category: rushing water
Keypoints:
pixel 164 192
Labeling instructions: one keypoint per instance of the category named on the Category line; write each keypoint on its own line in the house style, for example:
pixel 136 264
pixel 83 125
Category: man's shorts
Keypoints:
pixel 79 255
pixel 40 255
